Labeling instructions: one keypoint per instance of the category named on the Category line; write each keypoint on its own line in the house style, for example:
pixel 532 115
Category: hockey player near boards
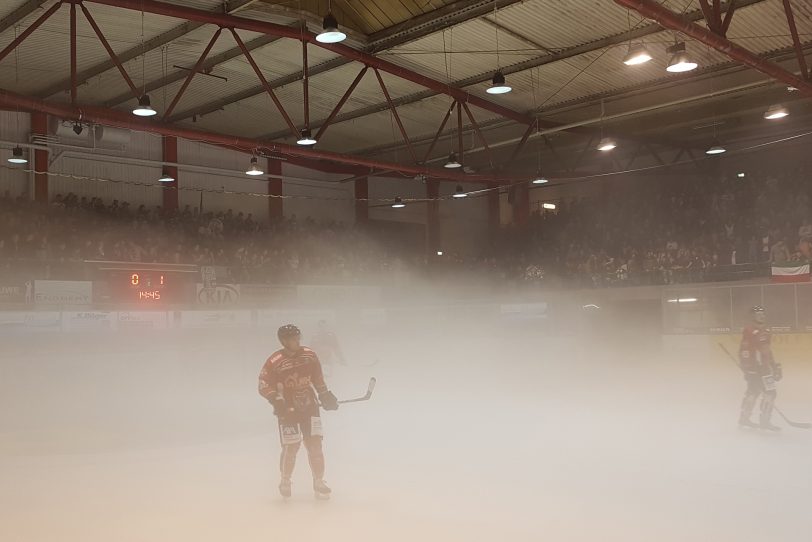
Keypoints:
pixel 761 372
pixel 292 381
pixel 326 343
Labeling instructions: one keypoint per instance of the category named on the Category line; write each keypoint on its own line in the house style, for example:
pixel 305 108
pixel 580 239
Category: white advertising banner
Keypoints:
pixel 63 292
pixel 144 320
pixel 41 321
pixel 215 319
pixel 304 319
pixel 89 321
pixel 338 295
pixel 524 311
pixel 221 294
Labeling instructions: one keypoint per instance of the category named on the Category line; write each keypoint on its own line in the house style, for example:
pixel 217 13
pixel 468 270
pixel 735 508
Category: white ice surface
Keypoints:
pixel 477 437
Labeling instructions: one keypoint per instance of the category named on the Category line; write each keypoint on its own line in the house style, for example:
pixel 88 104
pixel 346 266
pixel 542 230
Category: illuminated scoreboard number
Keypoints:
pixel 148 287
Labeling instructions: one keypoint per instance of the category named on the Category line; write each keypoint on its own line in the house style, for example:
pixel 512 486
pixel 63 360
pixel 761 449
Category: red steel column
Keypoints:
pixel 494 218
pixel 276 206
pixel 361 203
pixel 432 218
pixel 39 126
pixel 170 190
pixel 521 205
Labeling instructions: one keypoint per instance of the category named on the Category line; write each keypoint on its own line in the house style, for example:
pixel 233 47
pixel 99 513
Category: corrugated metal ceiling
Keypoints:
pixel 530 29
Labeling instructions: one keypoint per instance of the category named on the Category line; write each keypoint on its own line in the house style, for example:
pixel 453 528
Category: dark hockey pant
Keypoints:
pixel 292 432
pixel 755 388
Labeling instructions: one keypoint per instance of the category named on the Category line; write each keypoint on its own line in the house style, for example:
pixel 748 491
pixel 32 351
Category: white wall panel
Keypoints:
pixel 136 184
pixel 332 200
pixel 240 198
pixel 107 177
pixel 241 186
pixel 390 188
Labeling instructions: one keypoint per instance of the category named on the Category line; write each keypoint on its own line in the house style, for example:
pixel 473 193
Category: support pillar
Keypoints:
pixel 361 203
pixel 494 218
pixel 170 190
pixel 276 208
pixel 433 238
pixel 39 126
pixel 521 205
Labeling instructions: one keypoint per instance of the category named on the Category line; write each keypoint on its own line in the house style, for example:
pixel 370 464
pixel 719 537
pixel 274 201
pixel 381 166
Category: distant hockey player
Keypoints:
pixel 326 343
pixel 761 372
pixel 291 380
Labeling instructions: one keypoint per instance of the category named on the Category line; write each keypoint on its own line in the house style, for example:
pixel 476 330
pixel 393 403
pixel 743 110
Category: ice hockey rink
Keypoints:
pixel 473 434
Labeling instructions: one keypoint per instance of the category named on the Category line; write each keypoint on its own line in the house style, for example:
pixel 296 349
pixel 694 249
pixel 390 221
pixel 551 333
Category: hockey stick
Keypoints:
pixel 798 425
pixel 366 396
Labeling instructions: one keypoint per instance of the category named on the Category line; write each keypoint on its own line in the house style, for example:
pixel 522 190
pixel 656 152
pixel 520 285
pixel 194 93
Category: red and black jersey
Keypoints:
pixel 300 377
pixel 754 351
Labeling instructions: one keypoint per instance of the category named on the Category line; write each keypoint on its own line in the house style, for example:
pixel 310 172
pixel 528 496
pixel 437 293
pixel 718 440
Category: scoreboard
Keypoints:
pixel 147 286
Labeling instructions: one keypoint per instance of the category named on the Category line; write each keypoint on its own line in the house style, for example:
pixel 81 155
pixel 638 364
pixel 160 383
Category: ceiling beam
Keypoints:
pixel 207 66
pixel 134 52
pixel 273 29
pixel 411 30
pixel 217 105
pixel 15 17
pixel 564 54
pixel 673 21
pixel 441 18
pixel 123 119
pixel 640 90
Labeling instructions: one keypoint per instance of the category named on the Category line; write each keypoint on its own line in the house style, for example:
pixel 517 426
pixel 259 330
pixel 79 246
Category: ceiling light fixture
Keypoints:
pixel 607 144
pixel 638 54
pixel 166 177
pixel 498 85
pixel 306 138
pixel 776 111
pixel 459 192
pixel 452 162
pixel 398 203
pixel 254 169
pixel 716 148
pixel 680 61
pixel 539 180
pixel 17 156
pixel 549 206
pixel 144 108
pixel 330 32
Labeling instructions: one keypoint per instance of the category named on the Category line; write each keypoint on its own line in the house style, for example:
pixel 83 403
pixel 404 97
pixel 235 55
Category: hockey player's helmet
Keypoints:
pixel 759 314
pixel 288 330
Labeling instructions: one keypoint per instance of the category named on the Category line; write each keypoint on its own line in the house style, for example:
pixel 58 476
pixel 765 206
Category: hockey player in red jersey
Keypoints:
pixel 761 372
pixel 292 381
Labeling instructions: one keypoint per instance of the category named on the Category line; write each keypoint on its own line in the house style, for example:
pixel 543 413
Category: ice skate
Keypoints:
pixel 285 488
pixel 748 423
pixel 321 490
pixel 769 426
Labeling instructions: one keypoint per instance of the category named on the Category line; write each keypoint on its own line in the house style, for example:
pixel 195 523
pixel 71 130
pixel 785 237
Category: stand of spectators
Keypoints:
pixel 659 232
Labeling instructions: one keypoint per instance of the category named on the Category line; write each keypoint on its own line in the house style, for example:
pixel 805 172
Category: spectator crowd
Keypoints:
pixel 665 232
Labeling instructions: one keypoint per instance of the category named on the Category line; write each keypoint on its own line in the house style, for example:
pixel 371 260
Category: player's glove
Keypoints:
pixel 778 372
pixel 328 400
pixel 279 405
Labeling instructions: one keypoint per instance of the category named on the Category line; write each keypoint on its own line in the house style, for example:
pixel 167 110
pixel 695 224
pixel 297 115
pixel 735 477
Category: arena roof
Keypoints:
pixel 562 59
